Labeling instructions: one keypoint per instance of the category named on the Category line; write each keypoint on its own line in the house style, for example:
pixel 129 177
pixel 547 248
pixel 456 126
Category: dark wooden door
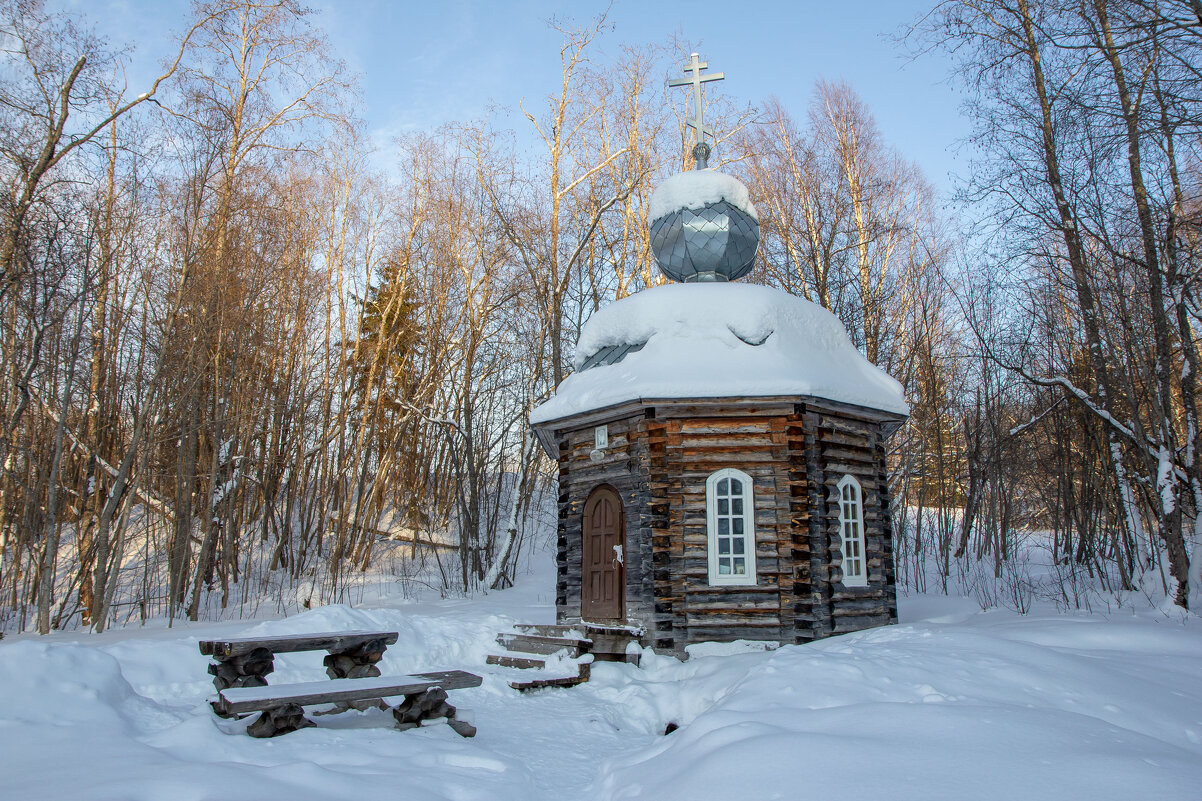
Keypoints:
pixel 603 585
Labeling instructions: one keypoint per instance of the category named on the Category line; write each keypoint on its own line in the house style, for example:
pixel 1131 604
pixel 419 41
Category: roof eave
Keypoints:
pixel 548 430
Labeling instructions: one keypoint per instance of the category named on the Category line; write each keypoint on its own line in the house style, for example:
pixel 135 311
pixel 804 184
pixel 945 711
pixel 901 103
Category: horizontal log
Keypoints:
pixel 737 594
pixel 858 440
pixel 289 643
pixel 711 459
pixel 745 408
pixel 866 606
pixel 742 631
pixel 846 624
pixel 732 621
pixel 841 468
pixel 751 441
pixel 768 604
pixel 731 426
pixel 845 423
pixel 864 457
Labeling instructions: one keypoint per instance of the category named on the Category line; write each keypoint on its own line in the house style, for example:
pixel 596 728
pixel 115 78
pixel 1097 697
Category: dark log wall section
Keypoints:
pixel 624 469
pixel 658 460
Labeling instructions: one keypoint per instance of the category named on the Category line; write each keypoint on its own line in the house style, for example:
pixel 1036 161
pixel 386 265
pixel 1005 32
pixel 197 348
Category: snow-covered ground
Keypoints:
pixel 953 703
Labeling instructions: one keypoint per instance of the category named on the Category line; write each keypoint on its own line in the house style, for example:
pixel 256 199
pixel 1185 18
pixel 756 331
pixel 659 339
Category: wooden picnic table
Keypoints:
pixel 241 664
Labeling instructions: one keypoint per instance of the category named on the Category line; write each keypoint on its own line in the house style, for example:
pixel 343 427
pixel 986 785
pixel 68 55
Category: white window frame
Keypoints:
pixel 851 533
pixel 716 578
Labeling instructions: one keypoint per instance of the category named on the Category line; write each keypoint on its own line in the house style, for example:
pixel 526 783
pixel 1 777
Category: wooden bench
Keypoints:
pixel 246 661
pixel 283 706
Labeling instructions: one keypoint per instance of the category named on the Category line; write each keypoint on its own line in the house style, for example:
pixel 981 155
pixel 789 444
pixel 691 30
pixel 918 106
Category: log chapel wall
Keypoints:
pixel 658 460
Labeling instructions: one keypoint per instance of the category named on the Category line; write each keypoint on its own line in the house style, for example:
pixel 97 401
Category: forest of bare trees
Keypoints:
pixel 1080 285
pixel 243 364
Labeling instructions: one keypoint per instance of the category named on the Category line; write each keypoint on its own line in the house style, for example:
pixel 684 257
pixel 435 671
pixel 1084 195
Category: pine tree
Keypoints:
pixel 381 358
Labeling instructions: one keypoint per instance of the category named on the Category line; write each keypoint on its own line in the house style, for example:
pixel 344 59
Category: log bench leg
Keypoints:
pixel 280 720
pixel 357 663
pixel 247 670
pixel 429 705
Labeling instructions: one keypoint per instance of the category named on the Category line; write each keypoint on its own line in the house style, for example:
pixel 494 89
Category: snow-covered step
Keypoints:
pixel 583 668
pixel 540 644
pixel 607 648
pixel 522 662
pixel 612 628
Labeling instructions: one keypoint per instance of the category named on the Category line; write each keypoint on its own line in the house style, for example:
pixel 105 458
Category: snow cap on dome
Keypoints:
pixel 684 341
pixel 696 189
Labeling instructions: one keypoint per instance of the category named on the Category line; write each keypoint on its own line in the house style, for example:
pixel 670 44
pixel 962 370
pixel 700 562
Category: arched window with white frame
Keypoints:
pixel 851 530
pixel 730 524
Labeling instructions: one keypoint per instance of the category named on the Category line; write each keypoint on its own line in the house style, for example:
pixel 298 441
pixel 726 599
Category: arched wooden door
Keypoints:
pixel 603 585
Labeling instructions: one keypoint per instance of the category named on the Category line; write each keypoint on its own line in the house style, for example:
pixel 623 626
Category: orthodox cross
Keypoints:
pixel 701 150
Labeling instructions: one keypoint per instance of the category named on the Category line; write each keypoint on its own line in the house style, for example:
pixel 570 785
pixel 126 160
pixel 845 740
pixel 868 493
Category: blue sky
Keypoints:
pixel 430 62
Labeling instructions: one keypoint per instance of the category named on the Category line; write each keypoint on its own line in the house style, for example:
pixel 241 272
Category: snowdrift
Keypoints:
pixel 952 704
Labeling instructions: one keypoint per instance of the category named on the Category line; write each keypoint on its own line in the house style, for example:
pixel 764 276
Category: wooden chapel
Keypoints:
pixel 721 447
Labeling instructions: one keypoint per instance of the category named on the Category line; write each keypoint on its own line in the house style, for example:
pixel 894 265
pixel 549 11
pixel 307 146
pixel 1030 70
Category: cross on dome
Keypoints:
pixel 703 225
pixel 701 150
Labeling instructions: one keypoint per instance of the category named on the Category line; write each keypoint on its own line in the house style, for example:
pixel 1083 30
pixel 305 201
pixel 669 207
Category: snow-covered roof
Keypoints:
pixel 697 188
pixel 718 340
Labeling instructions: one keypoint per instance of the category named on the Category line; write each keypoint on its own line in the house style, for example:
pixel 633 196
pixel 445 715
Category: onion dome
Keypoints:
pixel 703 227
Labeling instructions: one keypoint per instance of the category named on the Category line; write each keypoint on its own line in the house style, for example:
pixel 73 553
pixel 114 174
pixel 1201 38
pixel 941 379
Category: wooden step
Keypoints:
pixel 516 661
pixel 581 677
pixel 610 643
pixel 629 659
pixel 539 644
